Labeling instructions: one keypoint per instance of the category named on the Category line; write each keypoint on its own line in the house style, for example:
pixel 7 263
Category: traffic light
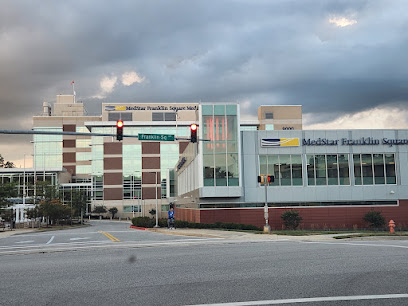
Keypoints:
pixel 271 178
pixel 119 130
pixel 193 130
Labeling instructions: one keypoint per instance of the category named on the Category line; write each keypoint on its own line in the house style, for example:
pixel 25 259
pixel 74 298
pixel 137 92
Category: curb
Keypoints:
pixel 139 228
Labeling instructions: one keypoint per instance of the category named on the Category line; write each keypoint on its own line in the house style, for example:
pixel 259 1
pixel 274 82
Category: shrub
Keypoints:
pixel 143 222
pixel 291 219
pixel 374 218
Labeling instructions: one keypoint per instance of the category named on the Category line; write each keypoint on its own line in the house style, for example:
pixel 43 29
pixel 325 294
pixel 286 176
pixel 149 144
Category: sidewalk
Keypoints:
pixel 235 235
pixel 17 231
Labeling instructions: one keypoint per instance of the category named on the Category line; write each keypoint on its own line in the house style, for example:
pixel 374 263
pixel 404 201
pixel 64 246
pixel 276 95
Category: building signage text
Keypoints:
pixel 181 163
pixel 363 141
pixel 151 108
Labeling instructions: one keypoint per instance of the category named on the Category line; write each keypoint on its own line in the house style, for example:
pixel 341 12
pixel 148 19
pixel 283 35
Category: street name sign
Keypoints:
pixel 156 137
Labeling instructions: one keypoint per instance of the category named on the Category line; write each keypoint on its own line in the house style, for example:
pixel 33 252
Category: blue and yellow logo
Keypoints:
pixel 114 108
pixel 280 142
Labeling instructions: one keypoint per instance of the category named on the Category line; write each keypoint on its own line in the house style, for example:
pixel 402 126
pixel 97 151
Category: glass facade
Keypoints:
pixel 220 153
pixel 48 149
pixel 132 171
pixel 286 168
pixel 169 156
pixel 32 181
pixel 374 169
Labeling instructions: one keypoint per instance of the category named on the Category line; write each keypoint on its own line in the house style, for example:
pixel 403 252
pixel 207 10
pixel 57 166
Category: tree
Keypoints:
pixel 8 164
pixel 79 199
pixel 374 218
pixel 7 191
pixel 113 211
pixel 54 210
pixel 291 219
pixel 99 210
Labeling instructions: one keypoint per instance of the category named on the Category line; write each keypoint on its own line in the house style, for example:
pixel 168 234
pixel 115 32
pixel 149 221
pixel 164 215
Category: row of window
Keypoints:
pixel 329 169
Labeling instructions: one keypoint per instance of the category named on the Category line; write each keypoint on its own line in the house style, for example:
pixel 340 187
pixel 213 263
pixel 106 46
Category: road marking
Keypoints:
pixel 49 241
pixel 311 300
pixel 110 236
pixel 27 241
pixel 360 244
pixel 78 238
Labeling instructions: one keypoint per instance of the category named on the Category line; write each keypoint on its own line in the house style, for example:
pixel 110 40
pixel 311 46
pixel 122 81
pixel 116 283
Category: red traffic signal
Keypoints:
pixel 119 130
pixel 193 130
pixel 271 178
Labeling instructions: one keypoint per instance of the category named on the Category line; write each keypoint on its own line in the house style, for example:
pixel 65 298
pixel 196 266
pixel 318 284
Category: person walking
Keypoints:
pixel 170 219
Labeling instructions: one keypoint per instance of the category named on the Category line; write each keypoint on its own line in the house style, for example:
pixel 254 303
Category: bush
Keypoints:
pixel 143 222
pixel 291 219
pixel 374 218
pixel 149 223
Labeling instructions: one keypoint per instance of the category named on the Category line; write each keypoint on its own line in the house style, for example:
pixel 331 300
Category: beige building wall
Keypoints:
pixel 283 117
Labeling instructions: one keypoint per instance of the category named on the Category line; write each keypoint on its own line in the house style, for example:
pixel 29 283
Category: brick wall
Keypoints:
pixel 313 218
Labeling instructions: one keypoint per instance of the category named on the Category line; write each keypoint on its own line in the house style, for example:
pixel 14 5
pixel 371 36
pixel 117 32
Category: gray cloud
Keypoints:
pixel 279 52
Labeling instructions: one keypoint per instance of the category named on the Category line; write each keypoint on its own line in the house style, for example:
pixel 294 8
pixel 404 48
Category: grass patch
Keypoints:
pixel 308 232
pixel 373 234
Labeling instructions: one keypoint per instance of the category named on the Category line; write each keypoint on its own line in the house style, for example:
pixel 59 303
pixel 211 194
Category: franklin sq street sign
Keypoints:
pixel 156 137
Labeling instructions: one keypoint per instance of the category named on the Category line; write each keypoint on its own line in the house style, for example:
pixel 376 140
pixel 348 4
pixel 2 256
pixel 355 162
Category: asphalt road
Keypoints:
pixel 100 234
pixel 147 271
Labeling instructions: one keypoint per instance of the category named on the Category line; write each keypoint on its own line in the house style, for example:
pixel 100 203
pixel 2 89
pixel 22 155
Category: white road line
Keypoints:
pixel 360 244
pixel 311 300
pixel 27 241
pixel 78 238
pixel 49 241
pixel 53 245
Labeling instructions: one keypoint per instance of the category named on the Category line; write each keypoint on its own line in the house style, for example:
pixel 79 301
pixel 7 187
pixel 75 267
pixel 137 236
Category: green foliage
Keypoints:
pixel 143 222
pixel 54 210
pixel 33 213
pixel 374 218
pixel 113 211
pixel 99 209
pixel 8 190
pixel 79 201
pixel 291 219
pixel 9 165
pixel 7 215
pixel 149 223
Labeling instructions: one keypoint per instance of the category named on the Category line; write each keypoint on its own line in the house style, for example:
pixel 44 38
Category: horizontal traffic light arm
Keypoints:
pixel 25 132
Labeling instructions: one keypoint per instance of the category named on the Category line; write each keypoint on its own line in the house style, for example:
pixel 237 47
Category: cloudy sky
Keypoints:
pixel 344 61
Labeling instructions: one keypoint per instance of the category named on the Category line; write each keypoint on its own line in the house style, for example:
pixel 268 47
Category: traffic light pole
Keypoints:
pixel 267 228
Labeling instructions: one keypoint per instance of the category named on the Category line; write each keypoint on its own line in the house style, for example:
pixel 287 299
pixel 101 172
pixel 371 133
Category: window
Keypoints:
pixel 374 169
pixel 330 169
pixel 119 116
pixel 286 168
pixel 164 116
pixel 269 127
pixel 268 115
